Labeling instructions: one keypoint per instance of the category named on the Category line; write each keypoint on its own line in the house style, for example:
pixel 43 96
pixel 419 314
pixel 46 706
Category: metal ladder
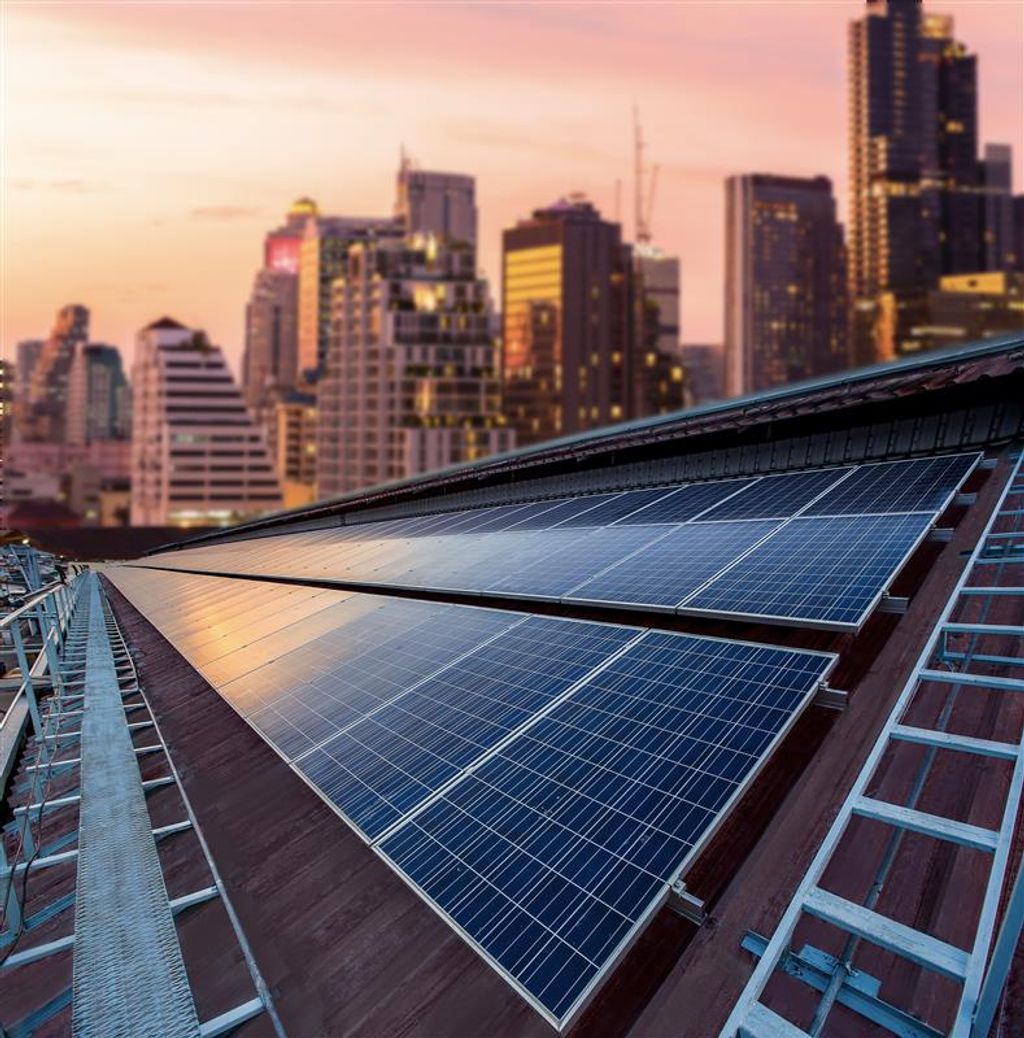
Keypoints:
pixel 980 971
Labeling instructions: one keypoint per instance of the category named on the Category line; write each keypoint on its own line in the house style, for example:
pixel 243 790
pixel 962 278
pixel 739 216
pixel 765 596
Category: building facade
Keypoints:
pixel 270 360
pixel 292 422
pixel 441 204
pixel 412 380
pixel 569 322
pixel 966 307
pixel 785 301
pixel 197 456
pixel 43 417
pixel 920 199
pixel 705 372
pixel 323 257
pixel 655 372
pixel 98 395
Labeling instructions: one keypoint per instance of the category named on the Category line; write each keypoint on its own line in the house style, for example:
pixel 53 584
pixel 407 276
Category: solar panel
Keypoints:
pixel 686 502
pixel 924 485
pixel 383 766
pixel 576 555
pixel 827 570
pixel 777 497
pixel 670 569
pixel 552 853
pixel 615 507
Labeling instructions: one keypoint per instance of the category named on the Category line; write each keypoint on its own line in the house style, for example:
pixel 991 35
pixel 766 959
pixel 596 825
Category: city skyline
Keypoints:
pixel 62 184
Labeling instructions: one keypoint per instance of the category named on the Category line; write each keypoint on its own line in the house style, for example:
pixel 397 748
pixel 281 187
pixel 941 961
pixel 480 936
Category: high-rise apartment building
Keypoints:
pixel 323 256
pixel 569 322
pixel 26 357
pixel 270 359
pixel 441 204
pixel 412 380
pixel 292 424
pixel 917 188
pixel 997 184
pixel 785 312
pixel 197 456
pixel 98 395
pixel 46 410
pixel 656 373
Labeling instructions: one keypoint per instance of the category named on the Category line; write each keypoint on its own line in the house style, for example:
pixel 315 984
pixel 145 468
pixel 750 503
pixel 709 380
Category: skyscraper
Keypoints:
pixel 997 185
pixel 322 258
pixel 48 382
pixel 915 180
pixel 412 379
pixel 270 360
pixel 197 456
pixel 656 373
pixel 441 204
pixel 785 312
pixel 569 325
pixel 98 397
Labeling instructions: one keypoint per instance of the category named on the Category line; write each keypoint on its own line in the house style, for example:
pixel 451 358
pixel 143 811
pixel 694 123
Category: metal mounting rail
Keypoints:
pixel 981 969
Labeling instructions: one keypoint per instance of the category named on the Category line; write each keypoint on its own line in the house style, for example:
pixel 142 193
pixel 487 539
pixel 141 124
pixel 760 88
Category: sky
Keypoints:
pixel 148 146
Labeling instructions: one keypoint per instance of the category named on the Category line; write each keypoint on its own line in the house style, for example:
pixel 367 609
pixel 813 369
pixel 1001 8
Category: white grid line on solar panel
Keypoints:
pixel 616 507
pixel 583 739
pixel 821 666
pixel 520 679
pixel 369 625
pixel 777 497
pixel 813 580
pixel 561 509
pixel 685 503
pixel 361 676
pixel 574 561
pixel 915 485
pixel 503 919
pixel 653 577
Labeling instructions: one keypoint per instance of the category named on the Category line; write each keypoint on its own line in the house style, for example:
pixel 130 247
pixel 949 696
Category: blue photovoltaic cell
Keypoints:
pixel 576 556
pixel 305 697
pixel 552 852
pixel 558 511
pixel 897 486
pixel 383 766
pixel 776 497
pixel 615 508
pixel 829 570
pixel 686 502
pixel 670 569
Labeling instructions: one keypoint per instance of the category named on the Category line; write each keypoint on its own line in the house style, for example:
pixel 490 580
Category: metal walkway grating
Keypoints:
pixel 129 977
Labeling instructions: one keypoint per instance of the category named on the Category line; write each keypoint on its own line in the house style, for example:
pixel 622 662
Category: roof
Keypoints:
pixel 165 324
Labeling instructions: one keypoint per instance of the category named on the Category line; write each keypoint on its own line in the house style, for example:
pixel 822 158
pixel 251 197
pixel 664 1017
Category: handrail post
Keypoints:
pixel 26 680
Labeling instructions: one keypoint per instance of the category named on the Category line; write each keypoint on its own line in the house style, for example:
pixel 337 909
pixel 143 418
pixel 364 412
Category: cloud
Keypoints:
pixel 70 187
pixel 224 213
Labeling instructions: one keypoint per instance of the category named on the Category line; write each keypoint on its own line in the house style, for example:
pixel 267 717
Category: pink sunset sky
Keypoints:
pixel 148 146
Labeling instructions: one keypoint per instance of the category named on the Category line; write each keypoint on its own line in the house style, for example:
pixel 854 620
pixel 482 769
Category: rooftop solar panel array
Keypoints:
pixel 679 548
pixel 541 781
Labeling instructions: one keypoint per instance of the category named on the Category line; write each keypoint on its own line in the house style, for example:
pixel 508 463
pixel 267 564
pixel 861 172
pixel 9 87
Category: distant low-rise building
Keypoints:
pixel 198 458
pixel 966 307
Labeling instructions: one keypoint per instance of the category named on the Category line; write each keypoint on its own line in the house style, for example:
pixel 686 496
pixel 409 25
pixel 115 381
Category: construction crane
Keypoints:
pixel 645 183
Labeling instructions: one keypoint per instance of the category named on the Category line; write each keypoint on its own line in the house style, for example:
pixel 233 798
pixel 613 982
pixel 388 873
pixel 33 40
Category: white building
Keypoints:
pixel 197 457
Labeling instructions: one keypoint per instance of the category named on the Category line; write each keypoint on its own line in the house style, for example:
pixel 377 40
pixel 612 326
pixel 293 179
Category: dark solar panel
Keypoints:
pixel 577 556
pixel 829 570
pixel 670 569
pixel 615 508
pixel 897 486
pixel 552 853
pixel 383 766
pixel 686 502
pixel 776 497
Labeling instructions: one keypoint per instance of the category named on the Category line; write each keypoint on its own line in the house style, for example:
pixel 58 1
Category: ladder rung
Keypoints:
pixel 949 741
pixel 928 825
pixel 911 944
